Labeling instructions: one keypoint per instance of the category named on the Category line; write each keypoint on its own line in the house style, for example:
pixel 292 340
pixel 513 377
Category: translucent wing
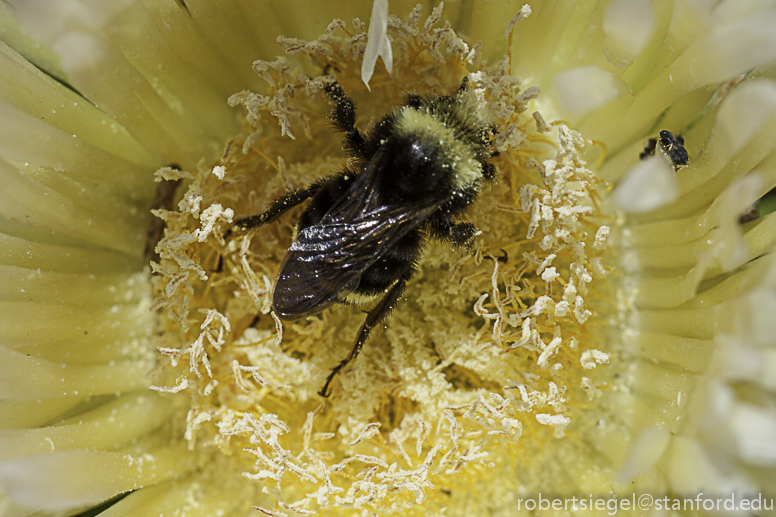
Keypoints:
pixel 326 260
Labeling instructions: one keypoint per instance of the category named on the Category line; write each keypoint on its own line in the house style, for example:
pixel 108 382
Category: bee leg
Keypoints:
pixel 413 100
pixel 489 172
pixel 459 235
pixel 462 235
pixel 344 117
pixel 373 318
pixel 278 207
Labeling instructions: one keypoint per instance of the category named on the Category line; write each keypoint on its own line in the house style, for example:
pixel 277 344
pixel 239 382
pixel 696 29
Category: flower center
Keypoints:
pixel 491 353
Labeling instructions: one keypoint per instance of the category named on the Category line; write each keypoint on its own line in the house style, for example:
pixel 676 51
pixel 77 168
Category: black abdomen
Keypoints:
pixel 398 259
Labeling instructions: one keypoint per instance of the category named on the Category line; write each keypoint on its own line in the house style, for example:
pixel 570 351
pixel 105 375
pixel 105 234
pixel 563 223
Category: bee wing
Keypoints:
pixel 326 260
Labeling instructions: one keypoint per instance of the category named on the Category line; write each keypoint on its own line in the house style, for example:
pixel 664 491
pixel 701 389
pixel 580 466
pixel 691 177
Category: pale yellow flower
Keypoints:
pixel 610 334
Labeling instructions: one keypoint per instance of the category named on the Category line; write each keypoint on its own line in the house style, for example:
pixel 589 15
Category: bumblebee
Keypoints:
pixel 362 234
pixel 672 146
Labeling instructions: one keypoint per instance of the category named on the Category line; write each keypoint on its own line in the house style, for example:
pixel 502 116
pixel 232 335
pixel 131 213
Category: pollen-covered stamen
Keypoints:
pixel 553 285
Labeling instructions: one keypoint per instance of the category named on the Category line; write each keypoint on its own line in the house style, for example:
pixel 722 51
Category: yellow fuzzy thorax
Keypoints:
pixel 493 353
pixel 462 163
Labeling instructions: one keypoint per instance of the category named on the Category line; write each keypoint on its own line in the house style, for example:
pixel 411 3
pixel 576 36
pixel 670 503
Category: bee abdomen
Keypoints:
pixel 396 261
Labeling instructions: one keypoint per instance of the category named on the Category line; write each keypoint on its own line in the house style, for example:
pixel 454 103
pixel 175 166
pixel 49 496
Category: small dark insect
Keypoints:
pixel 649 149
pixel 672 146
pixel 362 235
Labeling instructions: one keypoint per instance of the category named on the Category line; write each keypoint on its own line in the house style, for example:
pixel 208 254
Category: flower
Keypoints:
pixel 609 333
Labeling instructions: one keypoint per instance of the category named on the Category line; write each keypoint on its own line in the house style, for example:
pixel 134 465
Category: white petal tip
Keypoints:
pixel 646 451
pixel 649 185
pixel 629 25
pixel 583 89
pixel 378 44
